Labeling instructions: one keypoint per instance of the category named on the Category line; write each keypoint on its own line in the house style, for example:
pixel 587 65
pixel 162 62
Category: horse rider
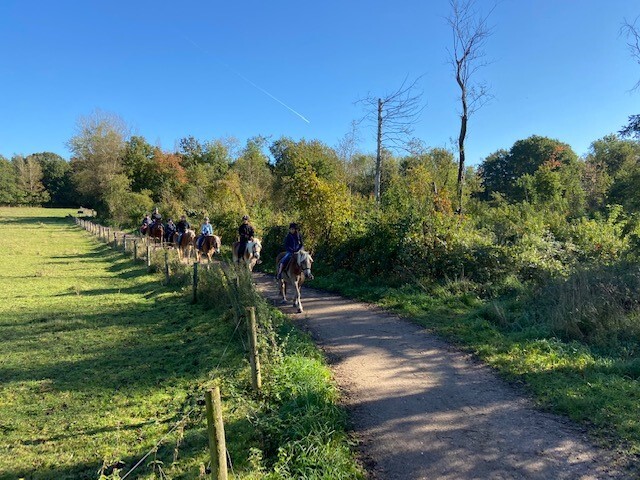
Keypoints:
pixel 205 231
pixel 169 230
pixel 155 217
pixel 292 244
pixel 145 224
pixel 181 227
pixel 245 234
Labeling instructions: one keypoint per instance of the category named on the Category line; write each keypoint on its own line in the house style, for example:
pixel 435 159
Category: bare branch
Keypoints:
pixel 632 34
pixel 470 32
pixel 394 116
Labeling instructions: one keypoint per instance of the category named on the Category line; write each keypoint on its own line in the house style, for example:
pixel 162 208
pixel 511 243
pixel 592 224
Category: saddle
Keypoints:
pixel 287 264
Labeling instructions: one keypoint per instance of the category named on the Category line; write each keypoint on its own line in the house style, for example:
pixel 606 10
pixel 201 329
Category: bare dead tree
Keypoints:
pixel 470 33
pixel 394 117
pixel 632 33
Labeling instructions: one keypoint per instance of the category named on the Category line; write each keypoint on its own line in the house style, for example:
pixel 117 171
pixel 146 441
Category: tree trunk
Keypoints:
pixel 463 133
pixel 378 153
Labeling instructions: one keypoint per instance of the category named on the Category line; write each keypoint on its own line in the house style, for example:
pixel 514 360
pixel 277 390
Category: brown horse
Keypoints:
pixel 251 254
pixel 210 245
pixel 186 244
pixel 155 231
pixel 294 273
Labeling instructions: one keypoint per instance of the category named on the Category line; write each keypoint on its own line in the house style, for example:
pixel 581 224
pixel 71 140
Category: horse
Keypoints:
pixel 251 254
pixel 156 231
pixel 185 246
pixel 294 273
pixel 210 245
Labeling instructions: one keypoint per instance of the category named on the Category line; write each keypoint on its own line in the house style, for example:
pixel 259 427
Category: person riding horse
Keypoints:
pixel 181 227
pixel 169 230
pixel 205 231
pixel 292 244
pixel 146 221
pixel 155 217
pixel 245 235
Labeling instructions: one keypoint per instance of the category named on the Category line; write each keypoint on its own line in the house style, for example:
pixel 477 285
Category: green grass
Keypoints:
pixel 99 360
pixel 596 387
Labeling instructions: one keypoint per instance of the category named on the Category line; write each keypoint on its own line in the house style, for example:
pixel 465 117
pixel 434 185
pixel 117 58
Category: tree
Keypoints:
pixel 255 173
pixel 137 162
pixel 470 33
pixel 632 33
pixel 9 194
pixel 290 156
pixel 56 178
pixel 394 117
pixel 217 154
pixel 536 169
pixel 97 147
pixel 613 165
pixel 29 178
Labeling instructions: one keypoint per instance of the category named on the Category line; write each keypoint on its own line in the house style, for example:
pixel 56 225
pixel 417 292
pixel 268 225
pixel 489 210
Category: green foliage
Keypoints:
pixel 97 148
pixel 29 175
pixel 538 169
pixel 9 192
pixel 292 157
pixel 600 306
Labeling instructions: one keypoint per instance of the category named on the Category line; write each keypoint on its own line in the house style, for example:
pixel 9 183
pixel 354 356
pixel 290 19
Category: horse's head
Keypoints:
pixel 217 243
pixel 304 262
pixel 256 249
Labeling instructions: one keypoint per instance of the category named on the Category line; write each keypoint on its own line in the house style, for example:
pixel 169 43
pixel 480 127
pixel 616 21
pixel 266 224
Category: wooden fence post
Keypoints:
pixel 254 359
pixel 124 243
pixel 195 282
pixel 115 240
pixel 135 250
pixel 166 266
pixel 215 429
pixel 148 255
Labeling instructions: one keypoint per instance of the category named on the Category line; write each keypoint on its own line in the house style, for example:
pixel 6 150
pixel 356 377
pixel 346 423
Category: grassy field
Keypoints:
pixel 599 388
pixel 98 361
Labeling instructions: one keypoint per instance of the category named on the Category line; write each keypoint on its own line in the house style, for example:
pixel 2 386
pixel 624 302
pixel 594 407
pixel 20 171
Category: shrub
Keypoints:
pixel 600 306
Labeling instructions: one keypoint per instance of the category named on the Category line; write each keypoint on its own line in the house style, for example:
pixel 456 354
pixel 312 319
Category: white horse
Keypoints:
pixel 251 254
pixel 294 273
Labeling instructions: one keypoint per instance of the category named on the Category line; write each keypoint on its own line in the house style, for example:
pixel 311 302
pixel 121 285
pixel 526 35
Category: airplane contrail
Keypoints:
pixel 246 79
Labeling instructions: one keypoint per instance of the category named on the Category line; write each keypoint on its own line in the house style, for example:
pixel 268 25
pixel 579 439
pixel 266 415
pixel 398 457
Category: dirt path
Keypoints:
pixel 424 410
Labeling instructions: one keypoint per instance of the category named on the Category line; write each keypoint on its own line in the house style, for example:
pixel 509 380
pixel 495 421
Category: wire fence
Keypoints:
pixel 145 249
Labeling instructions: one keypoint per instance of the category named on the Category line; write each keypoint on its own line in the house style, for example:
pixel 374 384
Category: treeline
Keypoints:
pixel 38 179
pixel 533 211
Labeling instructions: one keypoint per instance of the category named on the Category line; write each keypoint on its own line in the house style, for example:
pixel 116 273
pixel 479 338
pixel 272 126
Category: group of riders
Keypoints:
pixel 173 232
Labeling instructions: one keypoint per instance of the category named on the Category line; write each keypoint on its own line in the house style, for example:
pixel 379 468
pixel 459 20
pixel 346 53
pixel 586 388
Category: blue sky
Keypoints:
pixel 171 69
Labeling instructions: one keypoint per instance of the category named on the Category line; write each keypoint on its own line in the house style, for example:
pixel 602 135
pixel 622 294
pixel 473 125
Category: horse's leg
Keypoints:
pixel 296 301
pixel 283 290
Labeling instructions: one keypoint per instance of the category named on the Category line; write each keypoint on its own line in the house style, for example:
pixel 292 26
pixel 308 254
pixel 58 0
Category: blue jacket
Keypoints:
pixel 207 229
pixel 293 243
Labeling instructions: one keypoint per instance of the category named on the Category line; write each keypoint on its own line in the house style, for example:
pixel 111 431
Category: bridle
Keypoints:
pixel 304 263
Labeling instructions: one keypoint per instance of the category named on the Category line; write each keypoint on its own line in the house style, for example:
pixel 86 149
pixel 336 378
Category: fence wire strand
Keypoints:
pixel 83 224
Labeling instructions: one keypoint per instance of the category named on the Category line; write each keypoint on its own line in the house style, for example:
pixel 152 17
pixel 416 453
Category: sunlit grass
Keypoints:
pixel 98 361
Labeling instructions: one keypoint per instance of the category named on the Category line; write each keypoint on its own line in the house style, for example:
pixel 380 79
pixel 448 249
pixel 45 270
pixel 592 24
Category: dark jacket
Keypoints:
pixel 182 226
pixel 245 232
pixel 293 242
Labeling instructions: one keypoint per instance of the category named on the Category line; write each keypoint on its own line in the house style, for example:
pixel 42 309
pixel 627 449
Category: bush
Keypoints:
pixel 600 306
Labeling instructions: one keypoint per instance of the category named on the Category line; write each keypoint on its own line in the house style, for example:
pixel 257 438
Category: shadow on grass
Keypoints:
pixel 193 448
